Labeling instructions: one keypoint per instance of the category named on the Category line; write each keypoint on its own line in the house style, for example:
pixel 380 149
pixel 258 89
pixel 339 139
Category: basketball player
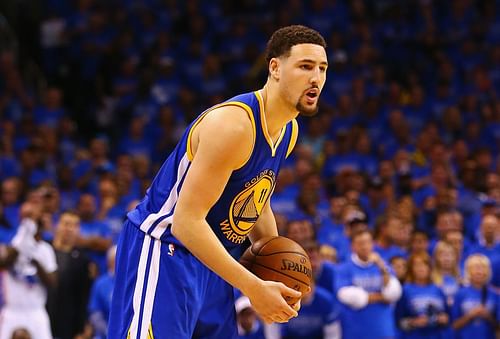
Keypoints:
pixel 174 269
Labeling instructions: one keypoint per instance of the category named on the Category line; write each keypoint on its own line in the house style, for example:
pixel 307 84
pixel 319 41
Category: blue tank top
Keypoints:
pixel 247 191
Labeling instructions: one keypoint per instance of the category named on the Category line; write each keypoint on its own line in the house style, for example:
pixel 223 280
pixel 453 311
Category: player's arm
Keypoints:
pixel 49 279
pixel 222 143
pixel 94 243
pixel 265 225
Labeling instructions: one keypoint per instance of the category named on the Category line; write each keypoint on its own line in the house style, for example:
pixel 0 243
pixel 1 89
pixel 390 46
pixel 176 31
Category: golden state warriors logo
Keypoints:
pixel 247 206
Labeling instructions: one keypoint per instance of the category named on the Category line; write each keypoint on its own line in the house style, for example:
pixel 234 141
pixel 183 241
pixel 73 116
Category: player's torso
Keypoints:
pixel 246 193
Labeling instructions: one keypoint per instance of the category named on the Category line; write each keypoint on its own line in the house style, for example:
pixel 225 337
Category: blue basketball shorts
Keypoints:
pixel 162 291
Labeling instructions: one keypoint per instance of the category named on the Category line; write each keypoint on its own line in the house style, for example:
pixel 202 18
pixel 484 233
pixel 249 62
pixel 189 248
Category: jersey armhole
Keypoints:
pixel 293 137
pixel 248 110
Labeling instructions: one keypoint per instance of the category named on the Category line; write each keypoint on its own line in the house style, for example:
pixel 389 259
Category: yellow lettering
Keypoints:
pixel 225 225
pixel 233 237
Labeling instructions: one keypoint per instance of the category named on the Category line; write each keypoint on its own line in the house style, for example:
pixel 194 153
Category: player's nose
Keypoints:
pixel 315 76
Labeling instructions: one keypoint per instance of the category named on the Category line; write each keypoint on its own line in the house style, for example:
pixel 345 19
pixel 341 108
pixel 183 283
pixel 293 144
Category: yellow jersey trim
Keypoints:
pixel 263 123
pixel 189 149
pixel 150 332
pixel 293 137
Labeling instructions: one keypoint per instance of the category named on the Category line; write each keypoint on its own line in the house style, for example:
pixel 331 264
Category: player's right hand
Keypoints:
pixel 268 300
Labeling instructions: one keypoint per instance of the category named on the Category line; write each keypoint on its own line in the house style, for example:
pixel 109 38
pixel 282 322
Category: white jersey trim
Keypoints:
pixel 167 206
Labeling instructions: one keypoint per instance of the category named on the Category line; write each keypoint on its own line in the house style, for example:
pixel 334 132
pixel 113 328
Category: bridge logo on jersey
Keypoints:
pixel 247 206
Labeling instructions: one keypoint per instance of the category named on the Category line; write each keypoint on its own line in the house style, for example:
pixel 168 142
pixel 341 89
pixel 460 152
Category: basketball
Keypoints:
pixel 279 259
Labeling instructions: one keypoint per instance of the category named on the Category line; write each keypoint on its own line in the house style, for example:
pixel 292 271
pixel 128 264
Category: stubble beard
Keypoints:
pixel 307 111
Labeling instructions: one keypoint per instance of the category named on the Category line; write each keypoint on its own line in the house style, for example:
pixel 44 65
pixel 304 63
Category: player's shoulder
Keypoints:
pixel 230 122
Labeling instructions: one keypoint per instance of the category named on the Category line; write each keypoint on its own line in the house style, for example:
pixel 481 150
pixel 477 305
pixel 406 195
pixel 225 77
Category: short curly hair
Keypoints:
pixel 285 38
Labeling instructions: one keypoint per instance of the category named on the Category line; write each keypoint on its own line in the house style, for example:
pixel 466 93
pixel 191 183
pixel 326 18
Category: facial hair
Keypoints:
pixel 306 111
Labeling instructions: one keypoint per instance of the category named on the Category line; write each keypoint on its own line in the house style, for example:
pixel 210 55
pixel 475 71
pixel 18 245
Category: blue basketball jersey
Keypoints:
pixel 245 194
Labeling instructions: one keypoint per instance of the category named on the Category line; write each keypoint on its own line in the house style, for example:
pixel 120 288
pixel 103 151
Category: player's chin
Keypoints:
pixel 307 110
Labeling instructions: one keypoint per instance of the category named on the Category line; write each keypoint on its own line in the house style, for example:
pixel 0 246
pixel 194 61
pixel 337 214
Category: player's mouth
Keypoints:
pixel 312 95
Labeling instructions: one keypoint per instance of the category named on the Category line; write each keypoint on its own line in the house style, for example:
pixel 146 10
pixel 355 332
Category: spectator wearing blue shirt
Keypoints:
pixel 489 240
pixel 354 220
pixel 68 193
pixel 399 265
pixel 332 227
pixel 317 319
pixel 315 138
pixel 300 230
pixel 87 170
pixel 9 165
pixel 110 211
pixel 366 289
pixel 10 200
pixel 100 298
pixel 385 227
pixel 52 110
pixel 495 275
pixel 447 221
pixel 323 271
pixel 476 304
pixel 401 231
pixel 284 198
pixel 375 202
pixel 136 142
pixel 7 231
pixel 419 242
pixel 422 311
pixel 456 239
pixel 446 270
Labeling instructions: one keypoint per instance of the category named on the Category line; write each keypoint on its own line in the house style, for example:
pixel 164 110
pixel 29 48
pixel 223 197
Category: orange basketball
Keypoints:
pixel 279 259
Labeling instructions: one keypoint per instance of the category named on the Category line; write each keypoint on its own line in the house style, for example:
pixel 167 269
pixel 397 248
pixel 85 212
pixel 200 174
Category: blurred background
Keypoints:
pixel 95 94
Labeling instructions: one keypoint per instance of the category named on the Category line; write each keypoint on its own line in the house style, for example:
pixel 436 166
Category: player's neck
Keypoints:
pixel 276 111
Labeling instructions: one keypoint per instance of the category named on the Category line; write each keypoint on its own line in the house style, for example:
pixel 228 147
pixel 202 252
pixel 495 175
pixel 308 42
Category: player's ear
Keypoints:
pixel 274 68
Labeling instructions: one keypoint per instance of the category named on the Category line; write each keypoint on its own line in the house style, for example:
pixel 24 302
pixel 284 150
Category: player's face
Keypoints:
pixel 302 77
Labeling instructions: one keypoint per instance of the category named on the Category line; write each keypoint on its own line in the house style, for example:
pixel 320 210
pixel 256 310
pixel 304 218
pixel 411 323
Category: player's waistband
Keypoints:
pixel 157 230
pixel 167 237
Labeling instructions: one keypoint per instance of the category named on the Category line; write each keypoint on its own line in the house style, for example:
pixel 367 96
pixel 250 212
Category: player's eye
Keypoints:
pixel 306 67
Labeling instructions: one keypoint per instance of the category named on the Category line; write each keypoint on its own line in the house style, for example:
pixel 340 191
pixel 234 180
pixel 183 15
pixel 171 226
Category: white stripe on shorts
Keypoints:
pixel 139 285
pixel 154 271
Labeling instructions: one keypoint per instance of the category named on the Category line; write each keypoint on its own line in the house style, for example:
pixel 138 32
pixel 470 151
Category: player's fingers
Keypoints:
pixel 287 317
pixel 289 292
pixel 281 319
pixel 289 312
pixel 296 306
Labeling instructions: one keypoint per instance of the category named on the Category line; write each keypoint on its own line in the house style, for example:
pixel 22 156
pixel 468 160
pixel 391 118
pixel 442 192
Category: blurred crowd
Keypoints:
pixel 393 188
